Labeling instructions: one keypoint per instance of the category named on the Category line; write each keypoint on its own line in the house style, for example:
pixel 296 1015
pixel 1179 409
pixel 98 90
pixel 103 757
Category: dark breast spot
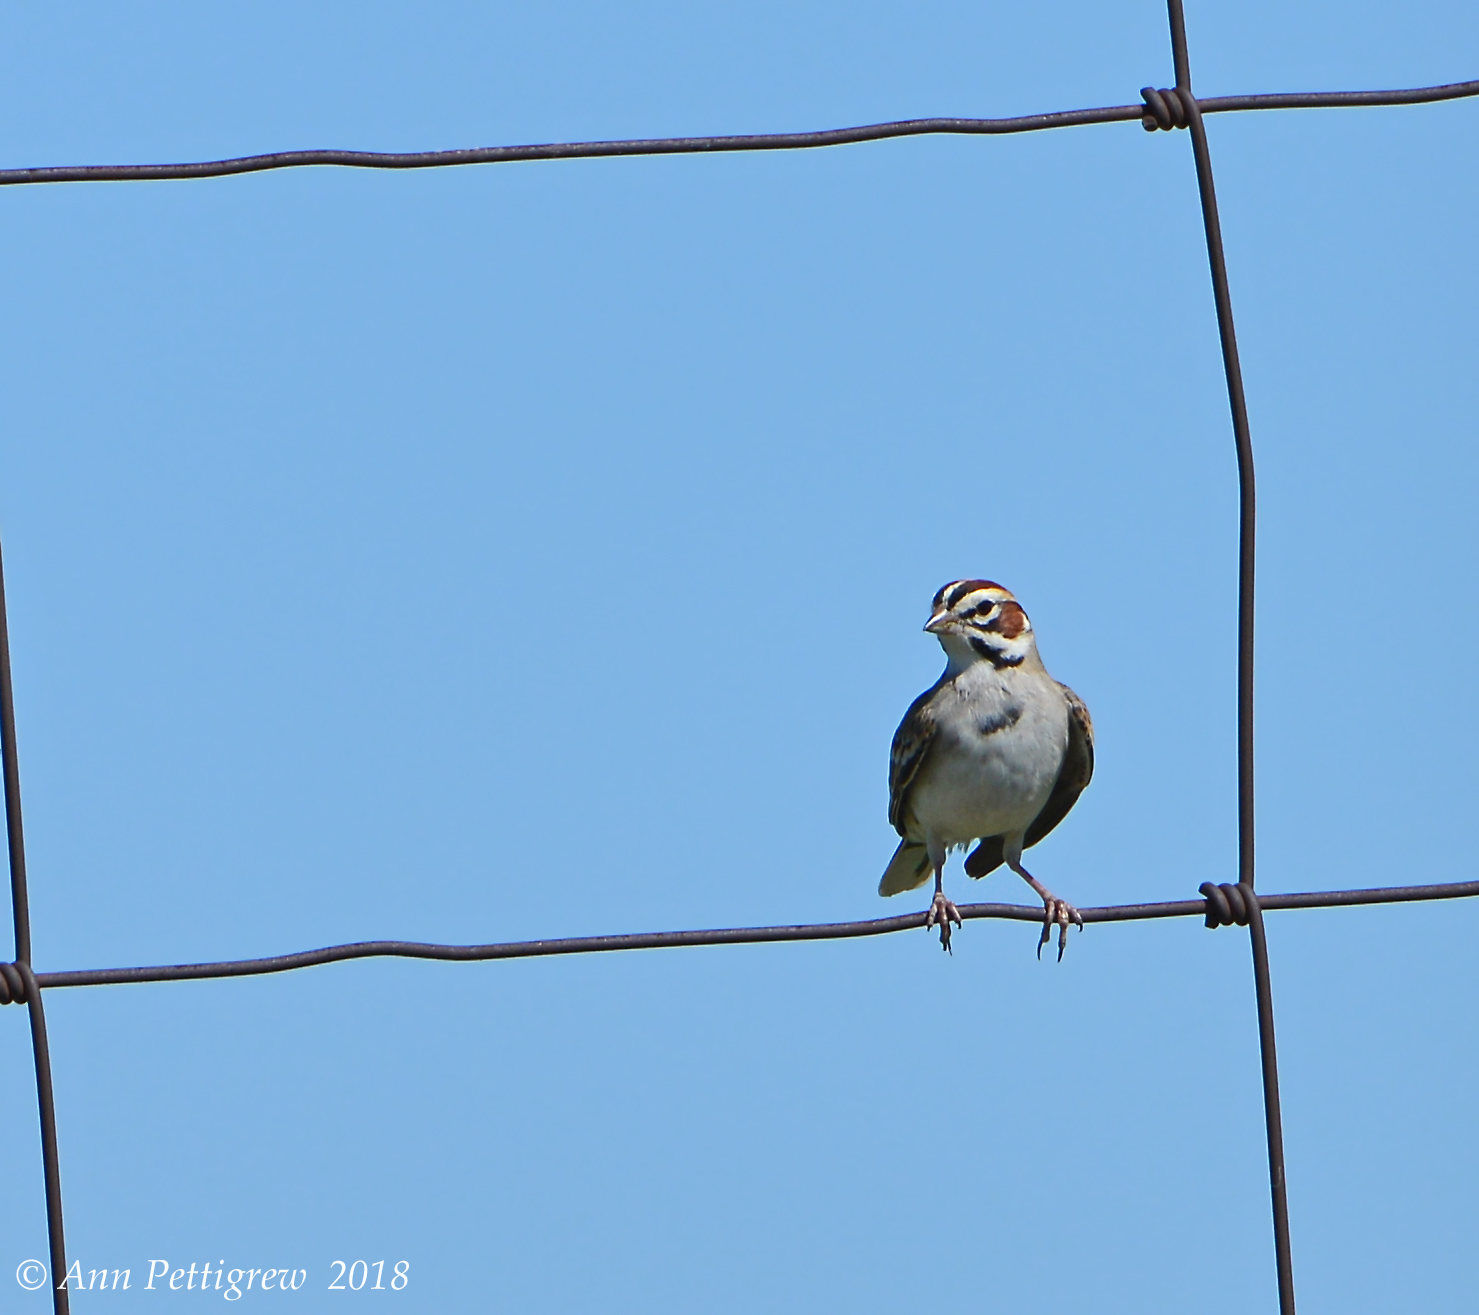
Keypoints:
pixel 1000 721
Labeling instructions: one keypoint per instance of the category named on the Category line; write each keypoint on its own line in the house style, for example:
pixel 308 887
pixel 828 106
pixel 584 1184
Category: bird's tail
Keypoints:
pixel 907 870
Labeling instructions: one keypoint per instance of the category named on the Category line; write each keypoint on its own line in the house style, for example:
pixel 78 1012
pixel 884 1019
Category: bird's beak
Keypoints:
pixel 938 623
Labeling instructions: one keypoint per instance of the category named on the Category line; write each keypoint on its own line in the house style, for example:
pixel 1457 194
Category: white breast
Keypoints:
pixel 1001 740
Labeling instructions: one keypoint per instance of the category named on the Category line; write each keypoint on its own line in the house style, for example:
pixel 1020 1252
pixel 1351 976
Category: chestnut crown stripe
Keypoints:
pixel 951 595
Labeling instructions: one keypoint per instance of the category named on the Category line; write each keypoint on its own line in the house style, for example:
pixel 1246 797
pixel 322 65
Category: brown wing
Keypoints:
pixel 912 743
pixel 1075 773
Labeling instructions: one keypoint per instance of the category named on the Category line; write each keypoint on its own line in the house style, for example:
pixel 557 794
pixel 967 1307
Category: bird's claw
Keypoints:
pixel 1058 913
pixel 942 913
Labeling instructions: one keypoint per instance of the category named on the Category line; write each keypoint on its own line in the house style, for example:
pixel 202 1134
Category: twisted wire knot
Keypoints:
pixel 12 985
pixel 1228 904
pixel 1165 109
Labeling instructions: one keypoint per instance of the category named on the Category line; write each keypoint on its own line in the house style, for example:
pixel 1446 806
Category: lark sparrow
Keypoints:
pixel 996 750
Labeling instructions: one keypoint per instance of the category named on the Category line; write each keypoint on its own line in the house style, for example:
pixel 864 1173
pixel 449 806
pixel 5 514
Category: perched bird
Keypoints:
pixel 996 750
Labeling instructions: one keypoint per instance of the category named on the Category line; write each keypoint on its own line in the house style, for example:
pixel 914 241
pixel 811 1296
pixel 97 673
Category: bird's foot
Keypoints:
pixel 1058 913
pixel 942 913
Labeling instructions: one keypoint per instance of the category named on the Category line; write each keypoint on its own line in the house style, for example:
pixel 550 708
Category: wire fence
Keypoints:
pixel 1165 109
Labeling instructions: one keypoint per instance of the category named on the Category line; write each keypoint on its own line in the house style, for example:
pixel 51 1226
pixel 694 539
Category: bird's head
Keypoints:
pixel 979 621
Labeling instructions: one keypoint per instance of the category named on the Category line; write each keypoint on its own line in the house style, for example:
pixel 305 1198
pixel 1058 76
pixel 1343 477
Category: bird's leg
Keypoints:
pixel 1056 911
pixel 942 911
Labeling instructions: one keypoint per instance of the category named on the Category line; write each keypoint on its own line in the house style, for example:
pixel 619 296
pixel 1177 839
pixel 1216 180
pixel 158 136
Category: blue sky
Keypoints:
pixel 542 550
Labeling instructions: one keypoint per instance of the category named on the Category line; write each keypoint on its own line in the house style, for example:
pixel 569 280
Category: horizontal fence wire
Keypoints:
pixel 775 141
pixel 665 940
pixel 1165 109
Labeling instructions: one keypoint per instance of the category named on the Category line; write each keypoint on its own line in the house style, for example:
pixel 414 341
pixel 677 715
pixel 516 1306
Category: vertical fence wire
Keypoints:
pixel 19 902
pixel 21 912
pixel 1247 556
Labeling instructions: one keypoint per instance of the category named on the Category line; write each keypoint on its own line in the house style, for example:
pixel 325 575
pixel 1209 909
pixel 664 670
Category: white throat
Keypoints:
pixel 961 654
